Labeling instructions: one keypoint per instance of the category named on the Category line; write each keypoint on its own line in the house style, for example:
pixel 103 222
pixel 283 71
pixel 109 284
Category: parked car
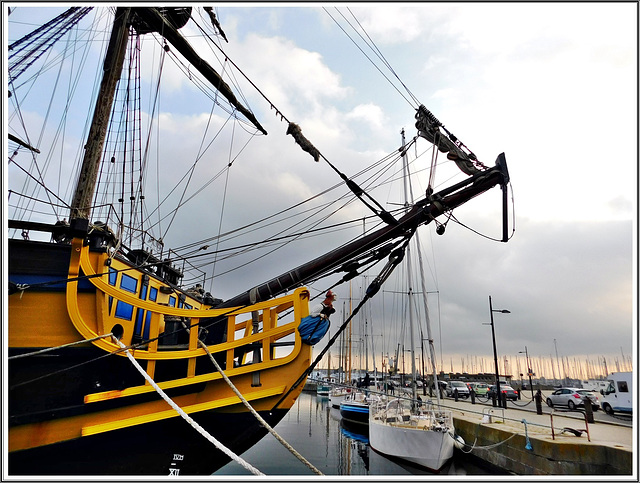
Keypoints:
pixel 572 398
pixel 461 387
pixel 480 388
pixel 504 389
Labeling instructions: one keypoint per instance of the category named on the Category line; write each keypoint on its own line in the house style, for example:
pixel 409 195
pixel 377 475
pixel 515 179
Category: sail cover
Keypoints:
pixel 429 128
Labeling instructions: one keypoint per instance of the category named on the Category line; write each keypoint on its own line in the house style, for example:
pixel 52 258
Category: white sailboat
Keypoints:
pixel 400 428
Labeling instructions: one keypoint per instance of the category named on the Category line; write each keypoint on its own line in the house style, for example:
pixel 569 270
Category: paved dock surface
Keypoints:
pixel 501 438
pixel 618 433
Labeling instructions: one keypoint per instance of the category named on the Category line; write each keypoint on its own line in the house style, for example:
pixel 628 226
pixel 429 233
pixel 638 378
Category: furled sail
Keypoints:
pixel 429 128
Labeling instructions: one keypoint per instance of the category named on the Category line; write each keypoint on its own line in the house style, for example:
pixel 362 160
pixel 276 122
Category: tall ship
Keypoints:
pixel 119 360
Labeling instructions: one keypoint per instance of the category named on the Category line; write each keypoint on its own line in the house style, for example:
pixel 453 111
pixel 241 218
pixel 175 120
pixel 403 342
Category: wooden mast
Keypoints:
pixel 113 64
pixel 114 60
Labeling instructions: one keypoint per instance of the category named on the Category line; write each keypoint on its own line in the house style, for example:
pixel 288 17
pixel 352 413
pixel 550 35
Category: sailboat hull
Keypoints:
pixel 354 411
pixel 426 448
pixel 423 438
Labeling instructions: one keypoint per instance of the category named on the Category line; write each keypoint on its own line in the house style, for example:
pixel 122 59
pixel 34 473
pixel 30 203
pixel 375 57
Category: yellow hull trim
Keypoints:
pixel 171 413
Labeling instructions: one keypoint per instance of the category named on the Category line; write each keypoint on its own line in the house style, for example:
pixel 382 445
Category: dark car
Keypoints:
pixel 504 389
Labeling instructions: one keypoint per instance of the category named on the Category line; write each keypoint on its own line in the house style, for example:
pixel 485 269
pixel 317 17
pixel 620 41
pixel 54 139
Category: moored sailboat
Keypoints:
pixel 90 286
pixel 403 428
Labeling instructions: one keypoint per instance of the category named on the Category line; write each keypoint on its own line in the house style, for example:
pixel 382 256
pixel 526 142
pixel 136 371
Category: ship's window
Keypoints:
pixel 147 325
pixel 172 301
pixel 138 327
pixel 153 294
pixel 187 306
pixel 124 310
pixel 129 283
pixel 113 276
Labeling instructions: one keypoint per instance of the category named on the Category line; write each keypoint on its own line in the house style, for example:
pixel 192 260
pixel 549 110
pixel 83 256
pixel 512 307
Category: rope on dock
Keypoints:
pixel 490 446
pixel 188 418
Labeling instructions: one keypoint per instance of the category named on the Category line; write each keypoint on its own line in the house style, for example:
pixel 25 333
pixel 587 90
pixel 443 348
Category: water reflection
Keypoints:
pixel 333 446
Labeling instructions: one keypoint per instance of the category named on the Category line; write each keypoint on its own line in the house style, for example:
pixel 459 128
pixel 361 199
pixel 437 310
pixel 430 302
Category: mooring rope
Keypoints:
pixel 188 418
pixel 258 417
pixel 489 446
pixel 49 349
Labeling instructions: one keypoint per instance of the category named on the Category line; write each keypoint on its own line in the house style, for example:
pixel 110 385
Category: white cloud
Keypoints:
pixel 369 114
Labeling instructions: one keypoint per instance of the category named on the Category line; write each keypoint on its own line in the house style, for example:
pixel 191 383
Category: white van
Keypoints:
pixel 617 396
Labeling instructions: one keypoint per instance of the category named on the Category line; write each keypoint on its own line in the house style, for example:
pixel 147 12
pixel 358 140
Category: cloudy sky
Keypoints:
pixel 552 85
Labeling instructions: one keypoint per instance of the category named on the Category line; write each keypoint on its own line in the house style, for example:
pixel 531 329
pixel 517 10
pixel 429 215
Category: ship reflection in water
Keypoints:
pixel 334 446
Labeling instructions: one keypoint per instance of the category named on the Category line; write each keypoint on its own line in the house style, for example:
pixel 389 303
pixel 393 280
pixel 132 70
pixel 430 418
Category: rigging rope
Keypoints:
pixel 49 349
pixel 394 259
pixel 296 132
pixel 186 417
pixel 41 40
pixel 255 413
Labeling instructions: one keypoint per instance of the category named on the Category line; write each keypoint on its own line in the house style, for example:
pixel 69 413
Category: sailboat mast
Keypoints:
pixel 113 63
pixel 350 335
pixel 405 170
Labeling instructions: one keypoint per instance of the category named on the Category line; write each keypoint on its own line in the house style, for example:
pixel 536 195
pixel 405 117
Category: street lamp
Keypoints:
pixel 528 369
pixel 495 352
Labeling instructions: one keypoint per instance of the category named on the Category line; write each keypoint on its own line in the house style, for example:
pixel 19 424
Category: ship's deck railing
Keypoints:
pixel 253 333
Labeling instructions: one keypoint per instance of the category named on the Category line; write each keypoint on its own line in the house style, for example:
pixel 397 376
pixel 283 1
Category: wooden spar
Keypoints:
pixel 421 213
pixel 15 139
pixel 114 60
pixel 113 64
pixel 159 24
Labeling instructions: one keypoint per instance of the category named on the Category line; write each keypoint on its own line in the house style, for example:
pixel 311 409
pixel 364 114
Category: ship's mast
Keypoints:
pixel 113 63
pixel 145 20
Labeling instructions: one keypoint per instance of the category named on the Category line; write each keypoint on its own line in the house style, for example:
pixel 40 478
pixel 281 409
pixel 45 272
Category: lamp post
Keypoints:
pixel 526 352
pixel 495 352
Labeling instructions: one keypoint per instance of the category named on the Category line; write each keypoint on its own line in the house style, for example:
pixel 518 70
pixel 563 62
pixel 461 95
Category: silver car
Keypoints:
pixel 572 398
pixel 461 387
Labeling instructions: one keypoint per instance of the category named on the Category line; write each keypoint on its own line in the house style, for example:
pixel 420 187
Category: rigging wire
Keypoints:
pixel 381 56
pixel 513 222
pixel 224 199
pixel 363 53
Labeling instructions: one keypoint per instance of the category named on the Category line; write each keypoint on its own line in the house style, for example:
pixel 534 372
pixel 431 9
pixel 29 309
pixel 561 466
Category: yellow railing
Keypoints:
pixel 267 337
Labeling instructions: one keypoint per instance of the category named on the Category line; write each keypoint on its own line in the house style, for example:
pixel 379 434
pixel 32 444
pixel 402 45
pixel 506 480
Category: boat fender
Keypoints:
pixel 458 441
pixel 313 329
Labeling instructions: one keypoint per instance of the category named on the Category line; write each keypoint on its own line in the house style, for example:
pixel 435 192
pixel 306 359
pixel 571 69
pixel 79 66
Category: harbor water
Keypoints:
pixel 333 446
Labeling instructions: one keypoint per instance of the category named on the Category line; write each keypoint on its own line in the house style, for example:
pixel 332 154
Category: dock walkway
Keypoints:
pixel 523 442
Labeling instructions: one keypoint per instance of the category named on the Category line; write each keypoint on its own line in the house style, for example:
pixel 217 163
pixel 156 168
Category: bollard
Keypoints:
pixel 504 400
pixel 472 394
pixel 538 398
pixel 455 395
pixel 518 394
pixel 493 399
pixel 588 409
